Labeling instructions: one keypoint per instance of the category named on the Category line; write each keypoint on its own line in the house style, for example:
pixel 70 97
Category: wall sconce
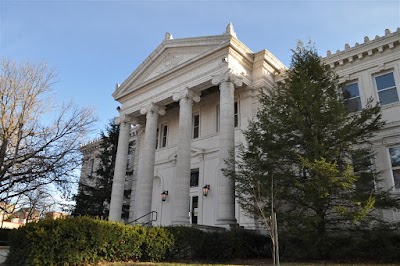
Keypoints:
pixel 164 195
pixel 206 188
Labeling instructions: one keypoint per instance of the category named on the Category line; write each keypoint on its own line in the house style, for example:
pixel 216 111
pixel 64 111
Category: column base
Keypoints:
pixel 182 222
pixel 227 223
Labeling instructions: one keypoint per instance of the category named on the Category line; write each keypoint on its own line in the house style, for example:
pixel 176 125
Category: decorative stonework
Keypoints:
pixel 230 30
pixel 153 108
pixel 124 118
pixel 370 47
pixel 227 76
pixel 187 94
pixel 168 36
pixel 169 62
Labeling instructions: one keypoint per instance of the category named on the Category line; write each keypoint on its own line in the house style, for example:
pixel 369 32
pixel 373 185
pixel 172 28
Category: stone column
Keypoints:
pixel 226 187
pixel 182 181
pixel 144 183
pixel 117 192
pixel 138 131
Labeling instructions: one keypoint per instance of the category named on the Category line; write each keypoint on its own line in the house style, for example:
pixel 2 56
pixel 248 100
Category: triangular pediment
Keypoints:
pixel 169 59
pixel 170 55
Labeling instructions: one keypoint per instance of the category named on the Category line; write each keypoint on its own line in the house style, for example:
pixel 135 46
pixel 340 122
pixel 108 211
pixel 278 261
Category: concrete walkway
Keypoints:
pixel 3 254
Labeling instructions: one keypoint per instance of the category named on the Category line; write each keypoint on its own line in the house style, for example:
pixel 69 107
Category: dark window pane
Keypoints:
pixel 395 156
pixel 388 96
pixel 196 126
pixel 396 177
pixel 158 132
pixel 236 114
pixel 91 167
pixel 165 134
pixel 353 105
pixel 385 81
pixel 194 178
pixel 352 90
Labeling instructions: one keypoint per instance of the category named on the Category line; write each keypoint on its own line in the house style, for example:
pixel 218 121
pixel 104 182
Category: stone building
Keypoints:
pixel 91 163
pixel 371 70
pixel 190 99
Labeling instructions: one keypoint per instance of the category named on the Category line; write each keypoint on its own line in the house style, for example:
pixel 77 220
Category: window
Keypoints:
pixel 164 134
pixel 217 118
pixel 194 177
pixel 386 87
pixel 395 163
pixel 352 97
pixel 157 137
pixel 130 158
pixel 91 166
pixel 196 126
pixel 236 113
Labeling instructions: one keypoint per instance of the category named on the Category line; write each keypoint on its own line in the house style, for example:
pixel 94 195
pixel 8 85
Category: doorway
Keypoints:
pixel 194 209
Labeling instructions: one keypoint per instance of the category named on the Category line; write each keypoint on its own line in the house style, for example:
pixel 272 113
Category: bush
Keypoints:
pixel 372 245
pixel 4 234
pixel 75 241
pixel 194 244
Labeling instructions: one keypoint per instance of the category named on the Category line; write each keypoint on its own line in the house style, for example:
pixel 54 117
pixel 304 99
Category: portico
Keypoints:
pixel 187 86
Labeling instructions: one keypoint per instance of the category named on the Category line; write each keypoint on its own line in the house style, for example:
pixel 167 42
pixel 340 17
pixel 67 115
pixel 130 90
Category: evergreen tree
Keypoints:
pixel 94 200
pixel 308 155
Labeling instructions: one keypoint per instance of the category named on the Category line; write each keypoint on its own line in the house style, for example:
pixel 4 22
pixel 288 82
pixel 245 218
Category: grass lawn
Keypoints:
pixel 257 262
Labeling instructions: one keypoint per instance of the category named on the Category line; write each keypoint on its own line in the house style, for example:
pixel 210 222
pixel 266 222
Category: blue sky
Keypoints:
pixel 96 44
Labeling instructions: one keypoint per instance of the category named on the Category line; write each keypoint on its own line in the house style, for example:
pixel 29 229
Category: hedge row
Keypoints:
pixel 372 245
pixel 194 244
pixel 77 241
pixel 4 232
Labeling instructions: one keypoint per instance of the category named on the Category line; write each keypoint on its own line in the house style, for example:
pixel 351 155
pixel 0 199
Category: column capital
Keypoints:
pixel 153 108
pixel 124 118
pixel 186 93
pixel 227 76
pixel 137 129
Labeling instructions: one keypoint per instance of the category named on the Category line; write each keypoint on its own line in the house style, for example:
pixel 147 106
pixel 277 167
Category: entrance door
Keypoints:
pixel 194 209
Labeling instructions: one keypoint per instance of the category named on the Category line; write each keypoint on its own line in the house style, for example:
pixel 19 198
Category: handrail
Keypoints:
pixel 151 220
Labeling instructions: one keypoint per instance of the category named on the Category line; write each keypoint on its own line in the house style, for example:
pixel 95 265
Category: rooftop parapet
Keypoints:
pixel 367 48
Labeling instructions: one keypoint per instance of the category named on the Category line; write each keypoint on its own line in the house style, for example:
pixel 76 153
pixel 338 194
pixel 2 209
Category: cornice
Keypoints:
pixel 367 49
pixel 164 94
pixel 90 145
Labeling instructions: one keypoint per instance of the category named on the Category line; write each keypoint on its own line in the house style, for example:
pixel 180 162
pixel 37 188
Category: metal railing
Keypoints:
pixel 153 217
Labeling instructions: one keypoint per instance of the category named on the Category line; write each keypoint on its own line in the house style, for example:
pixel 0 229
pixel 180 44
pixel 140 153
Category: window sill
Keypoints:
pixel 390 105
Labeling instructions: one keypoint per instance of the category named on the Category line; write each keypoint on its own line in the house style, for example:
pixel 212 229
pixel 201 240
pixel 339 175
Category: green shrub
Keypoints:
pixel 194 244
pixel 156 244
pixel 76 241
pixel 4 233
pixel 374 244
pixel 188 243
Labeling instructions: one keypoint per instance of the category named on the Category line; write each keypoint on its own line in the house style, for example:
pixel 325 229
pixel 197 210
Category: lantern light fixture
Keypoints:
pixel 206 189
pixel 164 195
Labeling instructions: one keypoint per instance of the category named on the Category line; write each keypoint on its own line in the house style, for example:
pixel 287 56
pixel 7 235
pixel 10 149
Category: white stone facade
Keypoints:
pixel 374 68
pixel 189 101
